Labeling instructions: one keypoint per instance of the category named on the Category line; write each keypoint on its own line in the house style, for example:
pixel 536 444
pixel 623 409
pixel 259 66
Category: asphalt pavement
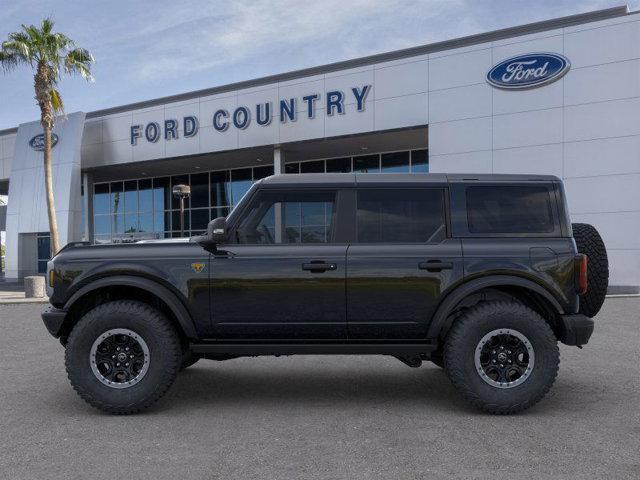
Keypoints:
pixel 321 417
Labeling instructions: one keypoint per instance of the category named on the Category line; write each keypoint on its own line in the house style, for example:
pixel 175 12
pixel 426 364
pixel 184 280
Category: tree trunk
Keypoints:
pixel 48 179
pixel 42 85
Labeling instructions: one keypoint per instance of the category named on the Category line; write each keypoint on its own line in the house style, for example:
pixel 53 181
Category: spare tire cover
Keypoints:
pixel 589 242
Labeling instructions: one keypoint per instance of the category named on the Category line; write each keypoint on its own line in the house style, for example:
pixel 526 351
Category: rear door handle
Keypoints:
pixel 318 266
pixel 435 266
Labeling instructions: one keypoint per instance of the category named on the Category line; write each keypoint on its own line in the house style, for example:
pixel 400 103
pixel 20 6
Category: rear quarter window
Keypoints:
pixel 509 209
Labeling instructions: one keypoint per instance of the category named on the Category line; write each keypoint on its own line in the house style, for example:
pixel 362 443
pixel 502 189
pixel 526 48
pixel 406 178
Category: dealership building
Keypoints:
pixel 558 97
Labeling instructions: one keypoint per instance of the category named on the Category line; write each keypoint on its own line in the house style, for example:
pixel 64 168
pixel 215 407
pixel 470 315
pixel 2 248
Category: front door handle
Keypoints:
pixel 318 266
pixel 435 266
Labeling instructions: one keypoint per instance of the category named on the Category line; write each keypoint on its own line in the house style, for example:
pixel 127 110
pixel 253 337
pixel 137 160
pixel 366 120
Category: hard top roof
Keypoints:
pixel 353 179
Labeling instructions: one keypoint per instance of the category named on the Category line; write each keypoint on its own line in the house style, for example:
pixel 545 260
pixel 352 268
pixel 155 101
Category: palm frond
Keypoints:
pixel 79 60
pixel 56 101
pixel 47 25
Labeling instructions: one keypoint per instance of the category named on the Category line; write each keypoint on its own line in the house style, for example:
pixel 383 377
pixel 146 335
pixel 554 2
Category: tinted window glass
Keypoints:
pixel 101 199
pixel 289 217
pixel 509 209
pixel 420 161
pixel 401 216
pixel 397 162
pixel 366 164
pixel 199 190
pixel 312 167
pixel 240 183
pixel 342 165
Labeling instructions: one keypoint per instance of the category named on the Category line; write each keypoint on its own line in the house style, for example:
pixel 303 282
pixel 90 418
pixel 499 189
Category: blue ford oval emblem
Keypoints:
pixel 37 142
pixel 528 71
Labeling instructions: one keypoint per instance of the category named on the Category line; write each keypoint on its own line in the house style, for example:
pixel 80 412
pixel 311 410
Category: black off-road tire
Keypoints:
pixel 164 356
pixel 188 358
pixel 464 337
pixel 589 242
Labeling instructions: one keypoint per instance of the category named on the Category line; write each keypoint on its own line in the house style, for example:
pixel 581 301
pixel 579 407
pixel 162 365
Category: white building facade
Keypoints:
pixel 435 108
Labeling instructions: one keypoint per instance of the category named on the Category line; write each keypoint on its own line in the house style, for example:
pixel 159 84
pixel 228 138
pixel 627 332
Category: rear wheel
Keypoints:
pixel 589 242
pixel 502 356
pixel 122 356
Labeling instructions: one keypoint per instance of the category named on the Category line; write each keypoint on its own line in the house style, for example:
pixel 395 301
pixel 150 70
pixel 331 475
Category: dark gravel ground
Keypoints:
pixel 322 417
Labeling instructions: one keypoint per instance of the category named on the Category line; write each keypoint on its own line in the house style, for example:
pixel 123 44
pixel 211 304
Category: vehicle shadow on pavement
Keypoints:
pixel 255 387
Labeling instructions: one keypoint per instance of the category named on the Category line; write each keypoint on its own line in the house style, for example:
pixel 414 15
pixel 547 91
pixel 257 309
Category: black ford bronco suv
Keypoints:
pixel 480 274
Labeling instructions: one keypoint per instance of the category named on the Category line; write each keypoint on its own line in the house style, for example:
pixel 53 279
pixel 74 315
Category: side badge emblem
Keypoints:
pixel 197 267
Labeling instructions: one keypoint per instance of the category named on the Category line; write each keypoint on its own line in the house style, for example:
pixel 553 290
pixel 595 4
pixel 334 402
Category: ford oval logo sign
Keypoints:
pixel 528 71
pixel 37 142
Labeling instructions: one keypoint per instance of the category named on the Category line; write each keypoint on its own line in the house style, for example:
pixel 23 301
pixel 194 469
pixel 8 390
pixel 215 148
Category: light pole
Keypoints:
pixel 181 192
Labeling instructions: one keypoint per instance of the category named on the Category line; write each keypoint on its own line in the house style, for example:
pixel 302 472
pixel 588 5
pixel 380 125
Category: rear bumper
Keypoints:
pixel 53 319
pixel 575 329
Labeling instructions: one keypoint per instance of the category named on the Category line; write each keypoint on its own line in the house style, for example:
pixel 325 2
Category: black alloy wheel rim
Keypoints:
pixel 504 358
pixel 119 358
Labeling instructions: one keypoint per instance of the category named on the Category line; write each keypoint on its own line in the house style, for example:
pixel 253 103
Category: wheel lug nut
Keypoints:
pixel 127 349
pixel 130 356
pixel 494 361
pixel 126 364
pixel 493 351
pixel 509 352
pixel 117 364
pixel 501 366
pixel 118 349
pixel 113 356
pixel 509 361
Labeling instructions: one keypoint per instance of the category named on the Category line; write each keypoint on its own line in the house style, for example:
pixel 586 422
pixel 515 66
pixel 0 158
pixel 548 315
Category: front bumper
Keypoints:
pixel 575 329
pixel 53 319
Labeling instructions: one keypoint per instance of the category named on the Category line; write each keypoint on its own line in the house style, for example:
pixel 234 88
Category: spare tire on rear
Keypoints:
pixel 589 242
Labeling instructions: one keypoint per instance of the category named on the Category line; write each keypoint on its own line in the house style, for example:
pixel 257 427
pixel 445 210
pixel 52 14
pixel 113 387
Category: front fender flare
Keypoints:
pixel 456 296
pixel 173 302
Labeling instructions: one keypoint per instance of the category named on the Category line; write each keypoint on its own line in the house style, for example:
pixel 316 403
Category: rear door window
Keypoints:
pixel 401 215
pixel 509 209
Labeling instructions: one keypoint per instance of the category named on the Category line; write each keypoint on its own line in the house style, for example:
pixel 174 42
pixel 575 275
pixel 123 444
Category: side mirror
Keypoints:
pixel 217 231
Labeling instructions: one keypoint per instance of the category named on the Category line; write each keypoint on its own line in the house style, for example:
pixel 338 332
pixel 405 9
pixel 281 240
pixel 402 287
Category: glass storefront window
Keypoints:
pixel 161 194
pixel 129 210
pixel 241 180
pixel 317 166
pixel 145 223
pixel 397 162
pixel 131 196
pixel 420 161
pixel 102 225
pixel 199 219
pixel 261 172
pixel 117 197
pixel 101 199
pixel 199 190
pixel 367 164
pixel 145 195
pixel 339 165
pixel 292 168
pixel 220 189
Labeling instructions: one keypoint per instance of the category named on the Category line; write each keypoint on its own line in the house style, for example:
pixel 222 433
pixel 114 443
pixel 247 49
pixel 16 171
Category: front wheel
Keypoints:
pixel 502 357
pixel 122 356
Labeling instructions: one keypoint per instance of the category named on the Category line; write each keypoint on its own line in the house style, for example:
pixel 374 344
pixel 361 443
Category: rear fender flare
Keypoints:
pixel 445 308
pixel 173 302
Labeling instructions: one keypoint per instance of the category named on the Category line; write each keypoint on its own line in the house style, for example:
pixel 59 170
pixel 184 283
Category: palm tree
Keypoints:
pixel 47 53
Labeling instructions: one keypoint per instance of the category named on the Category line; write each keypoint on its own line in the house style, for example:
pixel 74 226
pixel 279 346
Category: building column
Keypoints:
pixel 87 206
pixel 278 160
pixel 278 169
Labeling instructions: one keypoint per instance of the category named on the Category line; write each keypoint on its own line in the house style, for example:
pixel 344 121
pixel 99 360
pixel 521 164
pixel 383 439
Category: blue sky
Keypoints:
pixel 145 50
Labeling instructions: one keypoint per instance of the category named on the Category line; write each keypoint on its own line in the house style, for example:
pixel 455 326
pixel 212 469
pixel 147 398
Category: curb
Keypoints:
pixel 18 301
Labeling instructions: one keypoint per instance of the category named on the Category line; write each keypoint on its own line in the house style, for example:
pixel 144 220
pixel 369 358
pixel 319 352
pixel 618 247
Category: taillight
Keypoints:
pixel 581 274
